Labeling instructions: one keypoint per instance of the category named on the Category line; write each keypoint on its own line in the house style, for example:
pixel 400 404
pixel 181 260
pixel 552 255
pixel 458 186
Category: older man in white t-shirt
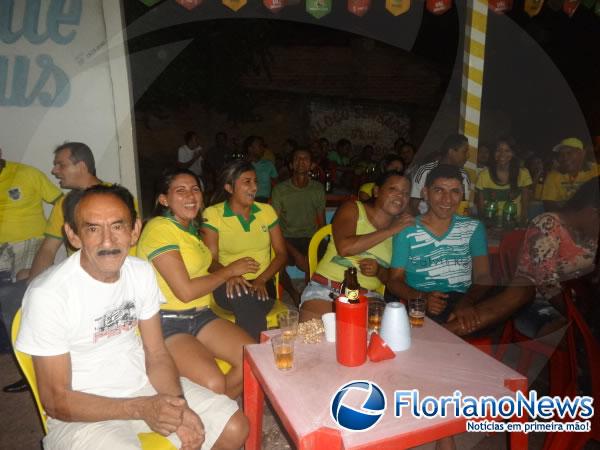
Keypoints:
pixel 100 381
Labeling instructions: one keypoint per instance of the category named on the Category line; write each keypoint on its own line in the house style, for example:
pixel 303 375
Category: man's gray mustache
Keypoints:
pixel 109 252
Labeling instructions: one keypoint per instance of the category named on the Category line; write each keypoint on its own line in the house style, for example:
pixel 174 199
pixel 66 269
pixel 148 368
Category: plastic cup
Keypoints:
pixel 283 351
pixel 288 322
pixel 329 325
pixel 395 329
pixel 416 312
pixel 376 308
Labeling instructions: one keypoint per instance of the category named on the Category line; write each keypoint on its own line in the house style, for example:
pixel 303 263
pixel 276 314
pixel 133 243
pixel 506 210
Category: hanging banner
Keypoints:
pixel 397 7
pixel 274 5
pixel 359 7
pixel 500 6
pixel 533 7
pixel 318 8
pixel 570 6
pixel 235 5
pixel 189 4
pixel 438 7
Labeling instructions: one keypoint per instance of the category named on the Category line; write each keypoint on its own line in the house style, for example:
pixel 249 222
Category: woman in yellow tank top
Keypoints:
pixel 362 237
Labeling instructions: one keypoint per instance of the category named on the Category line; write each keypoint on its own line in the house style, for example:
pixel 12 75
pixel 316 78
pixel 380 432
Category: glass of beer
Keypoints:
pixel 283 351
pixel 376 308
pixel 288 322
pixel 416 312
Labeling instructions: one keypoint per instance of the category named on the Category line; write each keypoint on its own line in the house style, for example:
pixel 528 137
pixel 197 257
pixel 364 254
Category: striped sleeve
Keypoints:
pixel 211 218
pixel 271 218
pixel 159 236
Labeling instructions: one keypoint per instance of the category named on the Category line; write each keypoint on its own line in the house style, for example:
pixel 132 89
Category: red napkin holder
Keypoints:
pixel 351 332
pixel 378 349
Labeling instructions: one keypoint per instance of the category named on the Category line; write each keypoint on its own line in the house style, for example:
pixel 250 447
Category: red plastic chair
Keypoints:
pixel 508 253
pixel 509 250
pixel 578 326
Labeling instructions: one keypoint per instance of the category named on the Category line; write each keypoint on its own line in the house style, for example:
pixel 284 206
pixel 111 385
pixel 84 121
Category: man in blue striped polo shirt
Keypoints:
pixel 443 257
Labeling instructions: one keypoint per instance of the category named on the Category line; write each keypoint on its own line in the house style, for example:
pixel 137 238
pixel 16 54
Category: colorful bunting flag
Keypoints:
pixel 570 6
pixel 235 5
pixel 150 3
pixel 500 6
pixel 189 4
pixel 359 7
pixel 397 7
pixel 533 7
pixel 438 7
pixel 274 5
pixel 318 8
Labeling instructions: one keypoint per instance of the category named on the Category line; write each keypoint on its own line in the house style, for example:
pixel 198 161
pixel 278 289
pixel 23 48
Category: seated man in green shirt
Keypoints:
pixel 300 205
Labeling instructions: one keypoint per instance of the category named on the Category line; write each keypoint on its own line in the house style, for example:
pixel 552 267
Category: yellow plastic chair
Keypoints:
pixel 313 247
pixel 148 441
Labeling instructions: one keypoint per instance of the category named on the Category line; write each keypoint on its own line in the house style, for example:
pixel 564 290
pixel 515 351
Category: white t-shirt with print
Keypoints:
pixel 65 310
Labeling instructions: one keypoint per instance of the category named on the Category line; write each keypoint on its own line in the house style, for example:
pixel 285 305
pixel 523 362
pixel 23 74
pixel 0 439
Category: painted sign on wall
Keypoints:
pixel 25 79
pixel 59 79
pixel 362 123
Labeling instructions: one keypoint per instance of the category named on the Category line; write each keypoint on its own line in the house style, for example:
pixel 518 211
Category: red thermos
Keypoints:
pixel 351 331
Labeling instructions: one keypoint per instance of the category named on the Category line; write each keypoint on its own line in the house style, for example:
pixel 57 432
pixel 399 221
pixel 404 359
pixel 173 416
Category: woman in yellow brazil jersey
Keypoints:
pixel 362 238
pixel 234 227
pixel 194 335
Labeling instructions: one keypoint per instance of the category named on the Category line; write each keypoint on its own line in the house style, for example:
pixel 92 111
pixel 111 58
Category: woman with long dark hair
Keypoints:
pixel 237 227
pixel 504 180
pixel 194 335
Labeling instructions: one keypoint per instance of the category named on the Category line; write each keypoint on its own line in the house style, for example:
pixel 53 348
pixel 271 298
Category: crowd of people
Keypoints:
pixel 224 224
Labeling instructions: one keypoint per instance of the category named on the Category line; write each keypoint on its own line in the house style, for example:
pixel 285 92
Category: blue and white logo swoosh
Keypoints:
pixel 370 412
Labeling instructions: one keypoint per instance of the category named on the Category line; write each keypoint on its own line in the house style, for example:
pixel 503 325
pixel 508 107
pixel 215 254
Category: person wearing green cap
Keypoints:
pixel 573 170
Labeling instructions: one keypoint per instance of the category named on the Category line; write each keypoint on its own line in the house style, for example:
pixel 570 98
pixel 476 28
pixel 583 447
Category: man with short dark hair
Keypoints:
pixel 300 206
pixel 443 257
pixel 266 173
pixel 99 382
pixel 75 168
pixel 455 152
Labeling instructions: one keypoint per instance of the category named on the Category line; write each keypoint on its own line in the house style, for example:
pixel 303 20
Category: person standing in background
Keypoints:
pixel 189 155
pixel 266 172
pixel 573 171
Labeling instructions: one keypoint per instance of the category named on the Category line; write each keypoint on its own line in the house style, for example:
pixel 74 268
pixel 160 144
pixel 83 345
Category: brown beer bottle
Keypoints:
pixel 350 285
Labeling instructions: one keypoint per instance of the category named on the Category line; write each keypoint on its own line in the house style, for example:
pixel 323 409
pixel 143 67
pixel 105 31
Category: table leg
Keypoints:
pixel 518 441
pixel 253 407
pixel 323 438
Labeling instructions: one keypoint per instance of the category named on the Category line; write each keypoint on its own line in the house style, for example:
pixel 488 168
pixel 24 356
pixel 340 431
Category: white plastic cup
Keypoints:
pixel 329 324
pixel 395 327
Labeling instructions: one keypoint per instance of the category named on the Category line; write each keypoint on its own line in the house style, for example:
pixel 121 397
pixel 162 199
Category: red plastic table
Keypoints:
pixel 438 363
